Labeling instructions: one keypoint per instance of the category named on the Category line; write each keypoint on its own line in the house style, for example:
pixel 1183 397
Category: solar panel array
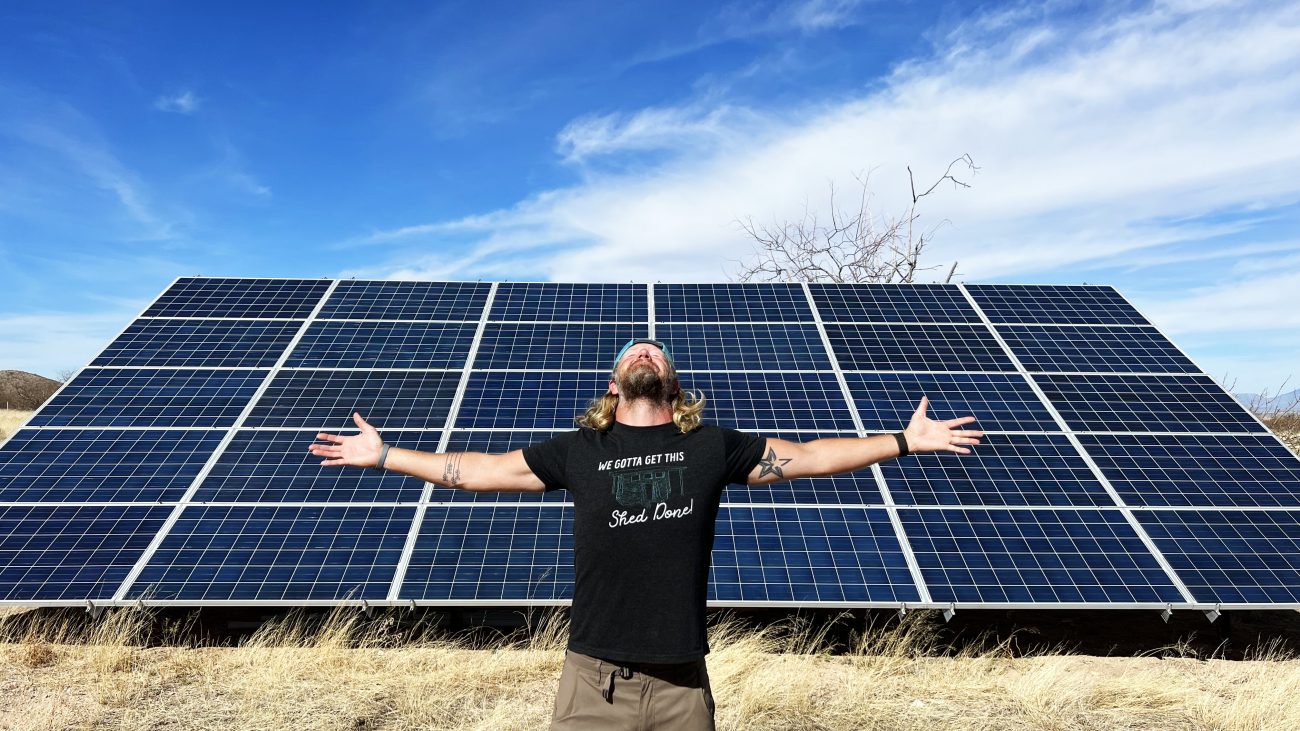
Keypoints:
pixel 174 468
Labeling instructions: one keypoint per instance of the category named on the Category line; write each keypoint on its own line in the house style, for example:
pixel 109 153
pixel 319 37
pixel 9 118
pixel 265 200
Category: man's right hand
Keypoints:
pixel 359 450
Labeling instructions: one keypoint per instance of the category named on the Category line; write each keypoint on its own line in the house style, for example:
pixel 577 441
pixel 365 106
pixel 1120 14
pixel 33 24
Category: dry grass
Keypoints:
pixel 351 673
pixel 10 420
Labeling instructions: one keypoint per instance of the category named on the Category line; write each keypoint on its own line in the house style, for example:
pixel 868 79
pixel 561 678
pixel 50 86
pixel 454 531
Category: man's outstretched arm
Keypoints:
pixel 785 460
pixel 472 471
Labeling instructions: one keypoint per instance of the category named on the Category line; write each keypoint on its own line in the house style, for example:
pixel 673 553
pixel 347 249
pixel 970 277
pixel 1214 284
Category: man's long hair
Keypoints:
pixel 688 409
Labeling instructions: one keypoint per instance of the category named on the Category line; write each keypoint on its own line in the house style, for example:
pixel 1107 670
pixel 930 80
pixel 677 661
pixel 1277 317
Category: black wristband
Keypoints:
pixel 902 444
pixel 383 457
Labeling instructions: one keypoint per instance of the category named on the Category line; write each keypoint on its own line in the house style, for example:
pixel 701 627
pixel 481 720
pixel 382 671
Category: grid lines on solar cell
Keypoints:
pixel 115 397
pixel 1094 349
pixel 778 302
pixel 764 554
pixel 936 347
pixel 554 345
pixel 498 552
pixel 1145 403
pixel 1034 556
pixel 854 488
pixel 385 300
pixel 94 465
pixel 277 553
pixel 1005 469
pixel 528 400
pixel 771 401
pixel 892 303
pixel 1231 556
pixel 200 343
pixel 72 552
pixel 556 302
pixel 1207 471
pixel 326 399
pixel 383 345
pixel 1067 304
pixel 760 346
pixel 220 297
pixel 1003 402
pixel 274 466
pixel 498 442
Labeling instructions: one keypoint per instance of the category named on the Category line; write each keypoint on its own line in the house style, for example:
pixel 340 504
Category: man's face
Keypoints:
pixel 644 373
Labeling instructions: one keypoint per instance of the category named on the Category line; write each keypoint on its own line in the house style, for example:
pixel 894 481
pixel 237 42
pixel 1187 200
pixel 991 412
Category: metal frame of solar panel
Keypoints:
pixel 173 469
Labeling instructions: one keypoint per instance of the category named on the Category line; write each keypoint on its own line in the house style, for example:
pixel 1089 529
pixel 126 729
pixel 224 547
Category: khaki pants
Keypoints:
pixel 595 694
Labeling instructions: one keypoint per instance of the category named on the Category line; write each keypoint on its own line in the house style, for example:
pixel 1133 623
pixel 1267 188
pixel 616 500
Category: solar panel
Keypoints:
pixel 892 303
pixel 939 347
pixel 383 345
pixel 1095 349
pixel 174 469
pixel 557 302
pixel 731 303
pixel 200 343
pixel 364 300
pixel 261 298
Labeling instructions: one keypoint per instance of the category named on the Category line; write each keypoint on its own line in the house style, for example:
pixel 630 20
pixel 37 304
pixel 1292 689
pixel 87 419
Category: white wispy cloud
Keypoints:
pixel 1138 131
pixel 49 343
pixel 182 102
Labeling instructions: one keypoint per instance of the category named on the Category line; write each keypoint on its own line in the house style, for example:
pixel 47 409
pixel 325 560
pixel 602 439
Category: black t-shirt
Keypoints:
pixel 645 501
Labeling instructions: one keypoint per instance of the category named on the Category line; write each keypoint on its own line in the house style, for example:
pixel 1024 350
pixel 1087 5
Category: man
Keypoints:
pixel 646 478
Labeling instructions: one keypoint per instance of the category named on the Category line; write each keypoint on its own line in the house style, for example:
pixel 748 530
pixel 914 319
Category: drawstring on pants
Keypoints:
pixel 608 692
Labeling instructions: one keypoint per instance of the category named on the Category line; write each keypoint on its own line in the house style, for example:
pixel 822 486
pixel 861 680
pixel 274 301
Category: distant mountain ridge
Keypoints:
pixel 1266 404
pixel 25 391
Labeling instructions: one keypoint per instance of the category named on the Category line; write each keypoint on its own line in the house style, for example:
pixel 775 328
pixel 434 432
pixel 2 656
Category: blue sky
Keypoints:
pixel 1151 146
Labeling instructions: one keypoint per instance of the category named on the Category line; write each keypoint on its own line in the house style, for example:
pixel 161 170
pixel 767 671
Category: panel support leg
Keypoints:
pixel 1167 613
pixel 1213 614
pixel 949 612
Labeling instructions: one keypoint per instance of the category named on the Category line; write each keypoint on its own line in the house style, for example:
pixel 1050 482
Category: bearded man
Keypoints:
pixel 646 478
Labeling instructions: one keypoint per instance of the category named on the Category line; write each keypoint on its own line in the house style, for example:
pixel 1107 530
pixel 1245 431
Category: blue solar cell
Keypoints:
pixel 92 465
pixel 553 345
pixel 1005 469
pixel 1146 403
pixel 554 302
pixel 72 552
pixel 1034 303
pixel 892 303
pixel 201 343
pixel 325 400
pixel 1208 471
pixel 1000 402
pixel 760 346
pixel 383 345
pixel 806 555
pixel 116 397
pixel 495 400
pixel 385 300
pixel 1034 557
pixel 772 401
pixel 854 488
pixel 498 442
pixel 1230 556
pixel 277 553
pixel 219 297
pixel 937 347
pixel 274 466
pixel 731 303
pixel 482 553
pixel 1094 349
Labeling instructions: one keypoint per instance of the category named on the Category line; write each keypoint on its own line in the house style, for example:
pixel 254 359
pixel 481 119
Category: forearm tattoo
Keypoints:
pixel 451 469
pixel 772 464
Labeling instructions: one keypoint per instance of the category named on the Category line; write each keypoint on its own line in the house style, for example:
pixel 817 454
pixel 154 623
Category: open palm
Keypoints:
pixel 359 450
pixel 928 435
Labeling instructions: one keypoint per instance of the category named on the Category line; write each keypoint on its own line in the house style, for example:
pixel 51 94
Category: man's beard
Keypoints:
pixel 641 382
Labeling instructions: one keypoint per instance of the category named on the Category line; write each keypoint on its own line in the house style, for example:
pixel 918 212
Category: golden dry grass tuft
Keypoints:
pixel 346 671
pixel 10 420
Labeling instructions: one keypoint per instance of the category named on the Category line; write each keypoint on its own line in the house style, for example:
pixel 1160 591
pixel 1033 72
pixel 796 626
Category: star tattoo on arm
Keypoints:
pixel 772 464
